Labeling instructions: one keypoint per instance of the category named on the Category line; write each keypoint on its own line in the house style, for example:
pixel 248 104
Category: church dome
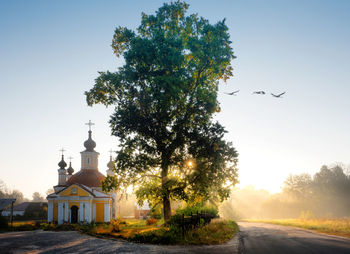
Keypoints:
pixel 90 178
pixel 62 164
pixel 90 144
pixel 70 170
pixel 110 164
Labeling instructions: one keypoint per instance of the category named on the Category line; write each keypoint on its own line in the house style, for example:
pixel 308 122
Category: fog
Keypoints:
pixel 326 194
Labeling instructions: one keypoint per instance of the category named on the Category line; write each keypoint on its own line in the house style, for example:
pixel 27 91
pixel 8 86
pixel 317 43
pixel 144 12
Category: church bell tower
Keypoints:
pixel 89 157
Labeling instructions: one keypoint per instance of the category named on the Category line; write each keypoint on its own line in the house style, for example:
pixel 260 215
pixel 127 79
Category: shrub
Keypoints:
pixel 66 227
pixel 88 227
pixel 48 226
pixel 156 212
pixel 160 236
pixel 26 226
pixel 198 208
pixel 116 225
pixel 151 221
pixel 3 223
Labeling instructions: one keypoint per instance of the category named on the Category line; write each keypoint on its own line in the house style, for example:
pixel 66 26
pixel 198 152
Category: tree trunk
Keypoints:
pixel 166 208
pixel 166 200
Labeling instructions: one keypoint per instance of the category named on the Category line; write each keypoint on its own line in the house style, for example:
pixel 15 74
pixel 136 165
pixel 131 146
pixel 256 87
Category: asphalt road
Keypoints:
pixel 256 238
pixel 253 238
pixel 73 242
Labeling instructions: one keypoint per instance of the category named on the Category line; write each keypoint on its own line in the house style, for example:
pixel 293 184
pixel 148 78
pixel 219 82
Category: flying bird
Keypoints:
pixel 278 95
pixel 259 92
pixel 233 93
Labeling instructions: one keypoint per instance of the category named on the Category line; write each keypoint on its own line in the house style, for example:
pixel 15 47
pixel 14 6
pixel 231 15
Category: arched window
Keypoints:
pixel 88 160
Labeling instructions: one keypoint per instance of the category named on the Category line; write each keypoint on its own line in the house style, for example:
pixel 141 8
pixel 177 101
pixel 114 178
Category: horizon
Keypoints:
pixel 51 53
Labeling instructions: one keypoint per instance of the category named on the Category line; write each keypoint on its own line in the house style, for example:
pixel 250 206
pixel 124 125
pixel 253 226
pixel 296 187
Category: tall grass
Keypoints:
pixel 339 227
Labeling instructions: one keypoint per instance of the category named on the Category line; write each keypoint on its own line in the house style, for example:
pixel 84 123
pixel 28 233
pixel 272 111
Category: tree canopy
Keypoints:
pixel 165 96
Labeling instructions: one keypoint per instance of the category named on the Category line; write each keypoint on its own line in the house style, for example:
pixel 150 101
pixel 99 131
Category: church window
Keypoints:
pixel 88 160
pixel 74 190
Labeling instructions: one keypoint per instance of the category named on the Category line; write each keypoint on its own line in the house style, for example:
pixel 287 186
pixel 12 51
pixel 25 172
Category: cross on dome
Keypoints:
pixel 62 150
pixel 90 124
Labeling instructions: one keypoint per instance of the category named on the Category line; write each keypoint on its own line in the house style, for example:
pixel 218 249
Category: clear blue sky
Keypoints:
pixel 51 51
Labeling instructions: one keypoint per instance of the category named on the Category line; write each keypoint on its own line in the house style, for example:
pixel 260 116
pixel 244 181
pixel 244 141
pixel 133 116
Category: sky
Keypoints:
pixel 51 52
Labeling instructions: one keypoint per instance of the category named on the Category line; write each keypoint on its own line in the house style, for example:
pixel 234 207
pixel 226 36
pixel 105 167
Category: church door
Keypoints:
pixel 74 214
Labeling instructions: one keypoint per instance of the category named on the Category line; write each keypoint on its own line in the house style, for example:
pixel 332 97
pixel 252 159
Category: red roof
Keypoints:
pixel 87 177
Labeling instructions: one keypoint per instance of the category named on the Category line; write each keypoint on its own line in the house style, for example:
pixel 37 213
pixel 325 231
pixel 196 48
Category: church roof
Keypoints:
pixel 95 193
pixel 87 177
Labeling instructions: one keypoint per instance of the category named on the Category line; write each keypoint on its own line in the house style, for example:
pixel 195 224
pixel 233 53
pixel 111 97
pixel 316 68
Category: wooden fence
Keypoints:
pixel 194 221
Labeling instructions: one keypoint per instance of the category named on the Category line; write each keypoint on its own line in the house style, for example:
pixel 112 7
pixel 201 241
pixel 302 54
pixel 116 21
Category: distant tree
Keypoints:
pixel 300 186
pixel 325 194
pixel 6 193
pixel 165 97
pixel 37 197
pixel 49 191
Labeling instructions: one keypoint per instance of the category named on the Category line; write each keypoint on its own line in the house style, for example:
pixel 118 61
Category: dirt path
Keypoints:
pixel 73 242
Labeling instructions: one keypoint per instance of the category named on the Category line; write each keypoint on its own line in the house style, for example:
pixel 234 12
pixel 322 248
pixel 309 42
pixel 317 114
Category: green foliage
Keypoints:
pixel 188 210
pixel 35 211
pixel 213 233
pixel 160 236
pixel 156 212
pixel 165 97
pixel 116 225
pixel 26 225
pixel 88 227
pixel 48 226
pixel 3 223
pixel 325 194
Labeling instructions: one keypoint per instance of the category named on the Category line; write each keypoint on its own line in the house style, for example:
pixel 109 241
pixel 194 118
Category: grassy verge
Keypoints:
pixel 339 227
pixel 217 232
pixel 22 226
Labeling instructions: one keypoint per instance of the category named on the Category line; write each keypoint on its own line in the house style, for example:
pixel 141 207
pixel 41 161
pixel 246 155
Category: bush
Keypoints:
pixel 198 208
pixel 48 226
pixel 66 227
pixel 88 227
pixel 151 221
pixel 3 223
pixel 27 226
pixel 160 236
pixel 116 225
pixel 156 212
pixel 175 220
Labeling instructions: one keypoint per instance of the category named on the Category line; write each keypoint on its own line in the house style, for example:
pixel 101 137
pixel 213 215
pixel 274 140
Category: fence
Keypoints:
pixel 194 220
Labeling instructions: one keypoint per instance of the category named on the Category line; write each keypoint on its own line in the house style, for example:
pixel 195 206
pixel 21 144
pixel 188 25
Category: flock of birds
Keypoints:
pixel 259 92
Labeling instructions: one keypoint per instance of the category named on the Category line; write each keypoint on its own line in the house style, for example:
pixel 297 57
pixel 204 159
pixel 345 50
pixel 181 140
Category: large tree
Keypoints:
pixel 165 96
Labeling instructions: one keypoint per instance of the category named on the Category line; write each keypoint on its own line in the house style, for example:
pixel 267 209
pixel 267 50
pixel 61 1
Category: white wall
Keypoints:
pixel 50 211
pixel 88 212
pixel 107 213
pixel 60 212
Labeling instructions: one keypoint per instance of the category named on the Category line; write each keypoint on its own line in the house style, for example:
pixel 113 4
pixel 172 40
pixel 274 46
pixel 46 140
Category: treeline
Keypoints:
pixel 325 194
pixel 18 195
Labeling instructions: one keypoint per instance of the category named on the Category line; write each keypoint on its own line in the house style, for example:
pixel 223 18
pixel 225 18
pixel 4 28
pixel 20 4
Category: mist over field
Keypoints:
pixel 326 194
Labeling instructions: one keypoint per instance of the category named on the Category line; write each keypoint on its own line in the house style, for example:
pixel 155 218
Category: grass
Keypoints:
pixel 217 232
pixel 23 226
pixel 340 227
